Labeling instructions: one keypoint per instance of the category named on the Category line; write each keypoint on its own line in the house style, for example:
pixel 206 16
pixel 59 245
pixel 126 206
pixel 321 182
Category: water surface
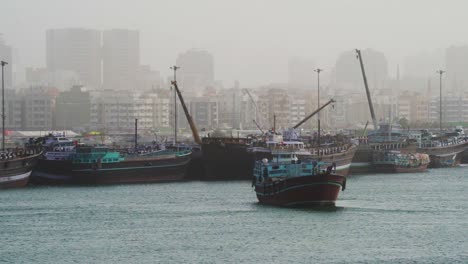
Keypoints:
pixel 405 218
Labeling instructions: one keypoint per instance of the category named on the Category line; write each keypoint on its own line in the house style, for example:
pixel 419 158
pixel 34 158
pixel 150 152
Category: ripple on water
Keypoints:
pixel 415 218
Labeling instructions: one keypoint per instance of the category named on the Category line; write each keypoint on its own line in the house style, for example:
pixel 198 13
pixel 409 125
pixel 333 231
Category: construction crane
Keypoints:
pixel 255 122
pixel 313 113
pixel 196 137
pixel 255 105
pixel 369 99
pixel 365 129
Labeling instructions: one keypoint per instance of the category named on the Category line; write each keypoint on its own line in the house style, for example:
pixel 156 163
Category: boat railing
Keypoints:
pixel 221 140
pixel 19 153
pixel 158 153
pixel 443 143
pixel 389 146
pixel 330 150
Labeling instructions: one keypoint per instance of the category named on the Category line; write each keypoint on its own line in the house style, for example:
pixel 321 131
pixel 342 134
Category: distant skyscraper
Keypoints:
pixel 422 65
pixel 121 58
pixel 348 72
pixel 301 73
pixel 77 50
pixel 456 61
pixel 196 70
pixel 6 55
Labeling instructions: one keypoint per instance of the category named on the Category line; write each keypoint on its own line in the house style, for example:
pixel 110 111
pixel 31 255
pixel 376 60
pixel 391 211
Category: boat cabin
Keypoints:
pixel 265 170
pixel 96 155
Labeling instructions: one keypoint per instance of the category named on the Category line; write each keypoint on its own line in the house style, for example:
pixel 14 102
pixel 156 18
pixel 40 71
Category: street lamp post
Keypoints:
pixel 440 72
pixel 318 70
pixel 3 63
pixel 175 68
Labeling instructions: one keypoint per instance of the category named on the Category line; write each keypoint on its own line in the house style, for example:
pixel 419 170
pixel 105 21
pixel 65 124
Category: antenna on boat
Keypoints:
pixel 318 70
pixel 175 68
pixel 274 123
pixel 440 72
pixel 136 135
pixel 3 63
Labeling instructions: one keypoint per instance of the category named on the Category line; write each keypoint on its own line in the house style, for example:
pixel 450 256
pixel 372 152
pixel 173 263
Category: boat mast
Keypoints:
pixel 3 63
pixel 369 99
pixel 274 123
pixel 175 68
pixel 136 135
pixel 440 72
pixel 196 137
pixel 318 70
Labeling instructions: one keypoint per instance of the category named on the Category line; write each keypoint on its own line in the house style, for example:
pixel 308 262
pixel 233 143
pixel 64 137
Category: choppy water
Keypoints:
pixel 406 218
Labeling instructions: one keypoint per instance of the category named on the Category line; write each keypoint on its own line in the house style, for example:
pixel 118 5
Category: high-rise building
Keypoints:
pixel 348 72
pixel 77 50
pixel 6 55
pixel 456 62
pixel 148 79
pixel 121 58
pixel 301 73
pixel 196 70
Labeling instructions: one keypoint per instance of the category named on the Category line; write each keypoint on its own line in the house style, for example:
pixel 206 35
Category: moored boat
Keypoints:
pixel 226 158
pixel 296 183
pixel 100 165
pixel 339 153
pixel 445 150
pixel 394 161
pixel 16 167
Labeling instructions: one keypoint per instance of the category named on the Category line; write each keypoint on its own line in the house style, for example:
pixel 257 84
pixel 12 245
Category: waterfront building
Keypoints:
pixel 13 110
pixel 161 105
pixel 72 109
pixel 454 109
pixel 204 111
pixel 230 108
pixel 39 108
pixel 117 111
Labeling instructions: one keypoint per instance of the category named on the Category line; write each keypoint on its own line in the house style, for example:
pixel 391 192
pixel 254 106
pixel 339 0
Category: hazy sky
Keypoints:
pixel 251 40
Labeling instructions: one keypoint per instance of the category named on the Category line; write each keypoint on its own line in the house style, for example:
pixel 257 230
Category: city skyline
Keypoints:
pixel 252 50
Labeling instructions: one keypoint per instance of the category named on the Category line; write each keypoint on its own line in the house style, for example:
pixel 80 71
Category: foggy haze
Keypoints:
pixel 251 41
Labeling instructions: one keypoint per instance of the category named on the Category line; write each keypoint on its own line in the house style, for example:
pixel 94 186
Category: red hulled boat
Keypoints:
pixel 297 183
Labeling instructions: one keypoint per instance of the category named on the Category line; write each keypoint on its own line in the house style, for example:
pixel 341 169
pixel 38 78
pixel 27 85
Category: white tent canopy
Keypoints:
pixel 65 133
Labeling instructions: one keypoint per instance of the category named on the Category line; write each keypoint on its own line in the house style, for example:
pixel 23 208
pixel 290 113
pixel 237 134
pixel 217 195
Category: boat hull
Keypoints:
pixel 342 160
pixel 124 172
pixel 447 156
pixel 393 168
pixel 15 173
pixel 320 190
pixel 362 160
pixel 226 162
pixel 52 172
